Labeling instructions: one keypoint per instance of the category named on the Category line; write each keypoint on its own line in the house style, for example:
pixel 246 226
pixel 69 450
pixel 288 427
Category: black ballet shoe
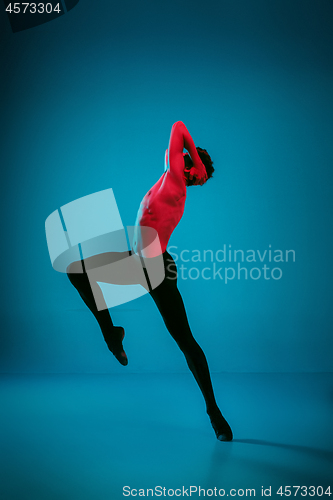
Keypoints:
pixel 221 427
pixel 115 345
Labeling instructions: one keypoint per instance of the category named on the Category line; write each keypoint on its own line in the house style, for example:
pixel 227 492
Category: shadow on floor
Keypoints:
pixel 314 452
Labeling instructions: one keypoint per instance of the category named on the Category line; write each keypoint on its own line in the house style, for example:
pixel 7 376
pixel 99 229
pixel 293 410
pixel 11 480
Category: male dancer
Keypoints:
pixel 162 208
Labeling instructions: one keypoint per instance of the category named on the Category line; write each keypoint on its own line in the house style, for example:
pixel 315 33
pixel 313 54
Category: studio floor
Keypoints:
pixel 88 436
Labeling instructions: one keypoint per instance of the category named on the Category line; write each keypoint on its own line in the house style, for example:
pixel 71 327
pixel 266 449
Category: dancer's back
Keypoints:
pixel 161 208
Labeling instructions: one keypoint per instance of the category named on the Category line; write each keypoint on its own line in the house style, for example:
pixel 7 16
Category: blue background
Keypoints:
pixel 88 101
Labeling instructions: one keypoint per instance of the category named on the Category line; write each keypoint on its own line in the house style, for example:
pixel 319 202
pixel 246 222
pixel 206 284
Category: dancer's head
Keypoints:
pixel 206 160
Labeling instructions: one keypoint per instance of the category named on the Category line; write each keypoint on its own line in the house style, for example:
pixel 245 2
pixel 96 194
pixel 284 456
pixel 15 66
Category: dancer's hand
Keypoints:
pixel 198 172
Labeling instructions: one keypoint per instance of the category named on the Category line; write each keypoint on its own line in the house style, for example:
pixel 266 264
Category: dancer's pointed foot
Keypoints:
pixel 115 345
pixel 220 425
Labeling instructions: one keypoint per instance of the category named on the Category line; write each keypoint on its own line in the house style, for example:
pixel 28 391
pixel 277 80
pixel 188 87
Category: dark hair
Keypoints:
pixel 206 160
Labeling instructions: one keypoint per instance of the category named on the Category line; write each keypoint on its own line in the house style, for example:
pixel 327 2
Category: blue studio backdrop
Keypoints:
pixel 87 104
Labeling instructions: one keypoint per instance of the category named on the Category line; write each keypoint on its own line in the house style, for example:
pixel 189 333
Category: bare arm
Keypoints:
pixel 180 138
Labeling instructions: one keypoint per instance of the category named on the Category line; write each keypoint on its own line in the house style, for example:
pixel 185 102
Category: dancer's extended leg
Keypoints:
pixel 113 335
pixel 170 304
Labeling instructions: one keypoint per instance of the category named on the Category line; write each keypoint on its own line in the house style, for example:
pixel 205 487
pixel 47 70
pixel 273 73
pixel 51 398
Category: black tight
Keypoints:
pixel 81 282
pixel 170 304
pixel 113 335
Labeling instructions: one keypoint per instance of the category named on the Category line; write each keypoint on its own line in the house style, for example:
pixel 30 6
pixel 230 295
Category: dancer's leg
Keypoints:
pixel 113 335
pixel 170 304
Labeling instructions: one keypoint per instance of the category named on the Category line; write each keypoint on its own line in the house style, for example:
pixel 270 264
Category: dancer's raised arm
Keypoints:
pixel 180 138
